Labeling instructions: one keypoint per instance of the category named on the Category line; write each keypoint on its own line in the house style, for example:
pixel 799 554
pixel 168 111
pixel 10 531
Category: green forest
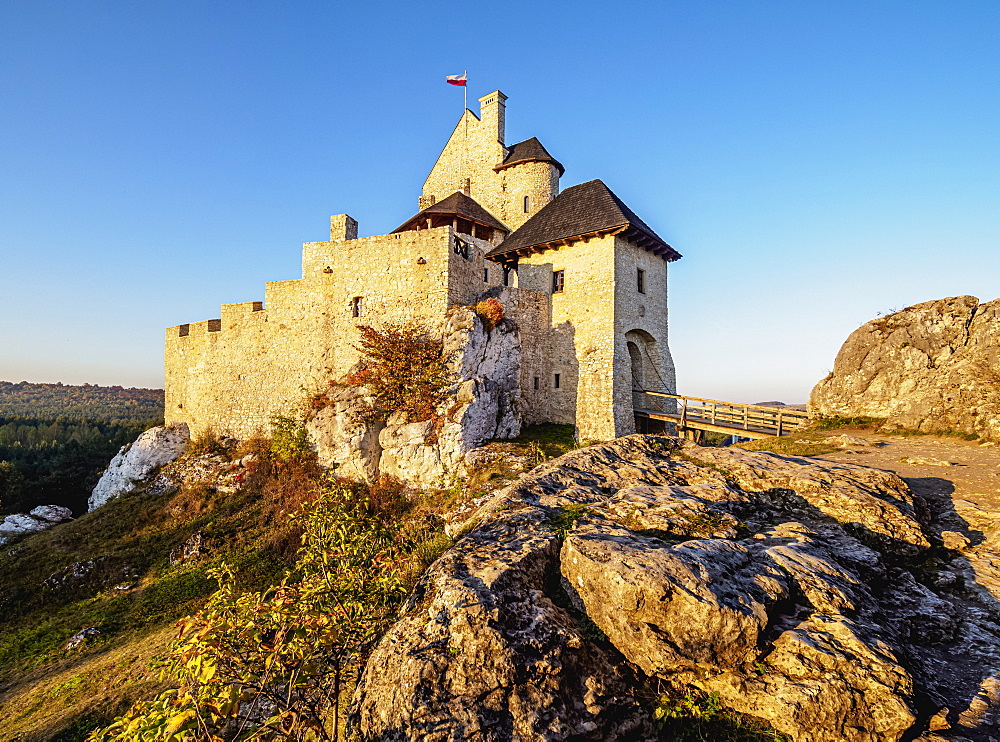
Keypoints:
pixel 56 439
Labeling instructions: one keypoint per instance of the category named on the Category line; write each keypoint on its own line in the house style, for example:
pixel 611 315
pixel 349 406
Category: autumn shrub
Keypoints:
pixel 404 369
pixel 490 311
pixel 387 497
pixel 206 442
pixel 275 664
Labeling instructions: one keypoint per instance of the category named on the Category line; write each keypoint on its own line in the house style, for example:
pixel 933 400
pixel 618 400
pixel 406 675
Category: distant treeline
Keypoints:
pixel 55 440
pixel 110 403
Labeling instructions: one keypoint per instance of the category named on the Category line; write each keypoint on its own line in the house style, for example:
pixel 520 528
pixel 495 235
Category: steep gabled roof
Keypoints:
pixel 530 150
pixel 586 209
pixel 457 204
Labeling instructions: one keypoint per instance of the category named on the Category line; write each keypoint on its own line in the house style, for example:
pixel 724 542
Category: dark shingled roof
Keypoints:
pixel 530 150
pixel 460 205
pixel 583 209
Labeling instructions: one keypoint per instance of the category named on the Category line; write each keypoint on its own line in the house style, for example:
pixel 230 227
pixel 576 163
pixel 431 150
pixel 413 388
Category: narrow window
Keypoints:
pixel 641 281
pixel 486 275
pixel 536 383
pixel 556 384
pixel 356 306
pixel 558 281
pixel 527 204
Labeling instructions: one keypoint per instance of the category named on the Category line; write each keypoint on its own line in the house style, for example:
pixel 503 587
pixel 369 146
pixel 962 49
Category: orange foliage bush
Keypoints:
pixel 490 311
pixel 404 370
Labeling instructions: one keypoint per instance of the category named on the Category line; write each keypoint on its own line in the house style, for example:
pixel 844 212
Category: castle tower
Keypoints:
pixel 511 183
pixel 605 272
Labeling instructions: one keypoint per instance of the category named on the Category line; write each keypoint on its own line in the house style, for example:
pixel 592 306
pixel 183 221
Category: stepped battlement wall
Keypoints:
pixel 262 359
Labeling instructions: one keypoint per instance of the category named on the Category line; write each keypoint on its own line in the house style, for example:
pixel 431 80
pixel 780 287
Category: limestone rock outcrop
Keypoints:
pixel 343 438
pixel 39 519
pixel 800 592
pixel 932 367
pixel 138 462
pixel 481 405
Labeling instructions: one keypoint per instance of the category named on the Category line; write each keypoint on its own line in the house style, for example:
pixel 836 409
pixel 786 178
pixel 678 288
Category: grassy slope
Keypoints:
pixel 40 682
pixel 47 692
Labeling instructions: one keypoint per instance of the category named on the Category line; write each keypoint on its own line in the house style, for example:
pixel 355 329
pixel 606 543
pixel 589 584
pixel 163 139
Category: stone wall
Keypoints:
pixel 264 359
pixel 531 311
pixel 640 319
pixel 474 148
pixel 592 319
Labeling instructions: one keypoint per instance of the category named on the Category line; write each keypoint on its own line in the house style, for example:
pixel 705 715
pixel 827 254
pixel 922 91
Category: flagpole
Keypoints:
pixel 465 136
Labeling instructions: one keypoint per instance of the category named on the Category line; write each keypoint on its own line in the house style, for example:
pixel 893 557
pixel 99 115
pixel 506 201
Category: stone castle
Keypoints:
pixel 582 277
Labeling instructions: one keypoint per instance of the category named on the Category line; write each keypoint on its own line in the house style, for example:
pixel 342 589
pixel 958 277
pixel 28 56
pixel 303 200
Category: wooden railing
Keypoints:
pixel 696 412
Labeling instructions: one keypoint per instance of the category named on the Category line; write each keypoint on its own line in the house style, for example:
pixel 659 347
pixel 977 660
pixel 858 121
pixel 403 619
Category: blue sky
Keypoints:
pixel 817 163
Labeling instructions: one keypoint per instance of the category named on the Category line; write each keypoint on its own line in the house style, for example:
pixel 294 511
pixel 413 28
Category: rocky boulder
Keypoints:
pixel 797 591
pixel 138 462
pixel 481 405
pixel 932 367
pixel 39 519
pixel 343 437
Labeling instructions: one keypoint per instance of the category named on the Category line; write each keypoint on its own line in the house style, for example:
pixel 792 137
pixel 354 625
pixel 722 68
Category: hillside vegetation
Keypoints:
pixel 111 569
pixel 130 591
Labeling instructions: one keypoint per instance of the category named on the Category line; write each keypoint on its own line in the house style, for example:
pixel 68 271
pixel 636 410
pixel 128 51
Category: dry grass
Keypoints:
pixel 788 445
pixel 63 701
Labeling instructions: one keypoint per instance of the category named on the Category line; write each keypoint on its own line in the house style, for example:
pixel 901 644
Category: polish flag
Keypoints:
pixel 456 79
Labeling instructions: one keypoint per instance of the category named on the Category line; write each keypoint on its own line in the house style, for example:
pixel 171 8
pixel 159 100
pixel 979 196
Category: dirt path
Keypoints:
pixel 964 497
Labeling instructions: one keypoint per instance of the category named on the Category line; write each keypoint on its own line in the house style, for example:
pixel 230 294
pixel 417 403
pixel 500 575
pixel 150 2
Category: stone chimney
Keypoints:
pixel 492 111
pixel 343 227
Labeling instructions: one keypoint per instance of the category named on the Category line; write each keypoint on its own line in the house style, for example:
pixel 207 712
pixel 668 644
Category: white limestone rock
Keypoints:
pixel 480 405
pixel 137 462
pixel 39 519
pixel 410 454
pixel 18 524
pixel 82 636
pixel 343 438
pixel 52 513
pixel 770 581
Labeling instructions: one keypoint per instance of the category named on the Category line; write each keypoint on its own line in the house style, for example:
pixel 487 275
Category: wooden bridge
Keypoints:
pixel 696 414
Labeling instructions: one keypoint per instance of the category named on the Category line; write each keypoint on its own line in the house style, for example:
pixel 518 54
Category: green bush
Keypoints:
pixel 293 649
pixel 289 441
